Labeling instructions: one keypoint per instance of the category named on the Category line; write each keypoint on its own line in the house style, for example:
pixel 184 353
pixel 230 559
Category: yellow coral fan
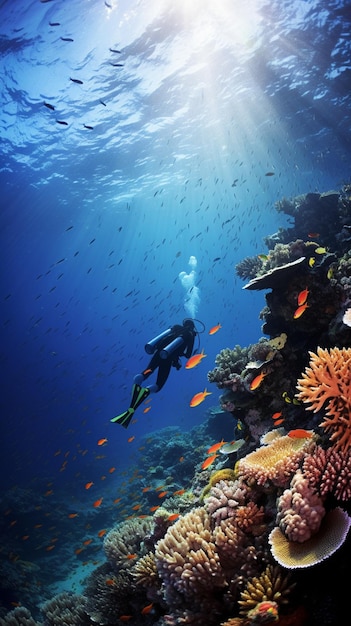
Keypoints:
pixel 271 585
pixel 276 461
pixel 329 538
pixel 145 571
pixel 327 383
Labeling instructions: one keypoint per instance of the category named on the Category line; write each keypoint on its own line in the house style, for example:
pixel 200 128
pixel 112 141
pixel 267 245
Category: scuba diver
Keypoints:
pixel 166 350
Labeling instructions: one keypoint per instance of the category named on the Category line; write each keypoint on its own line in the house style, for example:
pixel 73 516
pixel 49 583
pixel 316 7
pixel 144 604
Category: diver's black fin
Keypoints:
pixel 138 395
pixel 124 418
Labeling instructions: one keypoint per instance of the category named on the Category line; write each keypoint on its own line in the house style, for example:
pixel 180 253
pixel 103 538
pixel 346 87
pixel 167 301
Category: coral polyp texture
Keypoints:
pixel 329 472
pixel 275 462
pixel 270 586
pixel 300 510
pixel 326 384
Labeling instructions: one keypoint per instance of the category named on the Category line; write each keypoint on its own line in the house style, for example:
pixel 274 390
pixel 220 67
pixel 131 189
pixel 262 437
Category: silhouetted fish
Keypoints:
pixel 66 39
pixel 62 122
pixel 49 106
pixel 76 80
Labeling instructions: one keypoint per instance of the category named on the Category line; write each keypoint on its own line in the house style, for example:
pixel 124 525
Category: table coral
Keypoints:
pixel 326 383
pixel 300 510
pixel 330 537
pixel 329 472
pixel 275 462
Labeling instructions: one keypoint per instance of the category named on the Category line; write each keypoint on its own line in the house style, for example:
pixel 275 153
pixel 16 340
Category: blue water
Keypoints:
pixel 161 157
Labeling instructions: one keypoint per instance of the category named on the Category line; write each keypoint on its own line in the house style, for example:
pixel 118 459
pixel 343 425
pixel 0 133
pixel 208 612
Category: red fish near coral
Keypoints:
pixel 302 296
pixel 255 383
pixel 300 311
pixel 194 360
pixel 199 397
pixel 214 329
pixel 207 462
pixel 300 433
pixel 216 447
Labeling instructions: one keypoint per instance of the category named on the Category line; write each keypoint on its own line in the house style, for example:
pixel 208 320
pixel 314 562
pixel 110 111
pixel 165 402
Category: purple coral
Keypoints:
pixel 224 498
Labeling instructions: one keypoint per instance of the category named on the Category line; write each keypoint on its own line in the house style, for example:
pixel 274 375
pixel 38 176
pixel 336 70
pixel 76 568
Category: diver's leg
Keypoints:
pixel 138 396
pixel 163 372
pixel 139 378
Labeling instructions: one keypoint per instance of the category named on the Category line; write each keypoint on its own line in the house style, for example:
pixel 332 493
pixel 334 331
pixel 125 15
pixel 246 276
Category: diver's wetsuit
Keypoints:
pixel 164 360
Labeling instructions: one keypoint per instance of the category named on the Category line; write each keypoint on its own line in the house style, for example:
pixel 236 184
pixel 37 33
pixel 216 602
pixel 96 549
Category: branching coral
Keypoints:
pixel 300 510
pixel 327 384
pixel 224 498
pixel 275 462
pixel 230 363
pixel 329 472
pixel 271 585
pixel 145 571
pixel 330 537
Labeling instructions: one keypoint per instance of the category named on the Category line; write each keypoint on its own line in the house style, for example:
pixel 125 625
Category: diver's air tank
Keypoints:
pixel 151 346
pixel 167 350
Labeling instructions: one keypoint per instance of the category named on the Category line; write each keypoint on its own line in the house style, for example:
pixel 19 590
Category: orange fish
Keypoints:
pixel 147 609
pixel 216 447
pixel 147 409
pixel 132 556
pixel 154 508
pixel 278 422
pixel 199 397
pixel 136 507
pixel 145 489
pixel 302 296
pixel 277 415
pixel 97 503
pixel 313 235
pixel 72 515
pixel 300 433
pixel 179 492
pixel 88 485
pixel 110 582
pixel 300 311
pixel 214 329
pixel 207 462
pixel 130 439
pixel 102 532
pixel 162 494
pixel 102 441
pixel 255 383
pixel 87 542
pixel 49 548
pixel 195 360
pixel 111 470
pixel 173 517
pixel 125 618
pixel 148 371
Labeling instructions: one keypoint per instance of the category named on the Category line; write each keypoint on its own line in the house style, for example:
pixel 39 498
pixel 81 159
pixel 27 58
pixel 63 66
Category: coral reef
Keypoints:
pixel 272 585
pixel 300 510
pixel 275 462
pixel 66 608
pixel 328 472
pixel 326 383
pixel 20 616
pixel 330 537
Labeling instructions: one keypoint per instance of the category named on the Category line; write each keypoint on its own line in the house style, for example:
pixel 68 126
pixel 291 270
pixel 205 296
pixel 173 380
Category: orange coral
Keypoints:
pixel 327 383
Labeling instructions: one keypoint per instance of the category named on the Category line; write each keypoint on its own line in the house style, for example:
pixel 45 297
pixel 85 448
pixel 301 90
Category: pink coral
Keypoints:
pixel 300 510
pixel 329 472
pixel 224 499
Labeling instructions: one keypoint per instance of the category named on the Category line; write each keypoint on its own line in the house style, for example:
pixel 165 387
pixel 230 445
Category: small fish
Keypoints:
pixel 216 447
pixel 102 441
pixel 49 106
pixel 199 397
pixel 110 582
pixel 130 439
pixel 300 433
pixel 179 492
pixel 97 503
pixel 154 508
pixel 311 261
pixel 300 311
pixel 279 422
pixel 115 51
pixel 111 470
pixel 277 415
pixel 173 517
pixel 147 409
pixel 77 81
pixel 117 64
pixel 321 250
pixel 255 383
pixel 87 542
pixel 195 360
pixel 54 24
pixel 130 557
pixel 330 273
pixel 269 173
pixel 162 494
pixel 88 485
pixel 102 532
pixel 231 447
pixel 103 103
pixel 66 39
pixel 88 126
pixel 214 329
pixel 147 609
pixel 207 462
pixel 122 618
pixel 313 235
pixel 62 122
pixel 72 515
pixel 302 296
